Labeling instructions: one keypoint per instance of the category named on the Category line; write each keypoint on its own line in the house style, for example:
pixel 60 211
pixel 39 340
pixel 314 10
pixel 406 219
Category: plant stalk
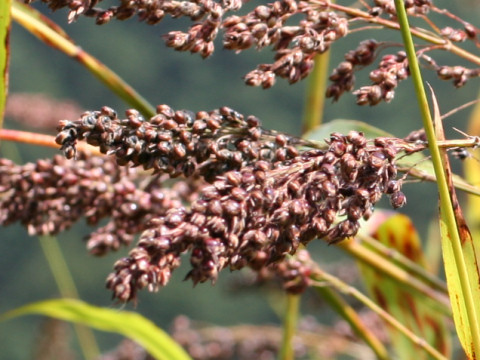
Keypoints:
pixel 315 98
pixel 445 199
pixel 41 140
pixel 289 326
pixel 385 266
pixel 404 263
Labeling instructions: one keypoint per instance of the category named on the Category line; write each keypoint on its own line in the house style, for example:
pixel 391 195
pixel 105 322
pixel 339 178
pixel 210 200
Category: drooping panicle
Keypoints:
pixel 258 214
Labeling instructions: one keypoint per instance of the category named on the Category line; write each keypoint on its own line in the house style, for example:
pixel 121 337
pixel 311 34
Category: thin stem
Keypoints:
pixel 322 277
pixel 461 107
pixel 446 45
pixel 289 326
pixel 315 98
pixel 350 315
pixel 28 138
pixel 41 140
pixel 445 199
pixel 53 35
pixel 424 176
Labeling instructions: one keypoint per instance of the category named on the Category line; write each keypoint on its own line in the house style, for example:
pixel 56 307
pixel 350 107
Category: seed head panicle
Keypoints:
pixel 256 215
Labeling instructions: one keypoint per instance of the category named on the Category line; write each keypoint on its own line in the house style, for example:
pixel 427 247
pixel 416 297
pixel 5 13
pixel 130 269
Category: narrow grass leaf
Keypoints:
pixel 4 53
pixel 412 309
pixel 129 324
pixel 461 258
pixel 472 175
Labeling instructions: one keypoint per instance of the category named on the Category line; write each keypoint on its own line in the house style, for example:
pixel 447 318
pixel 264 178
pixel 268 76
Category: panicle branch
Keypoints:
pixel 317 25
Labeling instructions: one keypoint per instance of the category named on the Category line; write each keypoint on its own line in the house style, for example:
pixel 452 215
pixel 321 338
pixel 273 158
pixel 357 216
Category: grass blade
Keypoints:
pixel 472 174
pixel 461 268
pixel 132 325
pixel 461 259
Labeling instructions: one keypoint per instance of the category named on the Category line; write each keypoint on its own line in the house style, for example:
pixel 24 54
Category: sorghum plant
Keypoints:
pixel 229 193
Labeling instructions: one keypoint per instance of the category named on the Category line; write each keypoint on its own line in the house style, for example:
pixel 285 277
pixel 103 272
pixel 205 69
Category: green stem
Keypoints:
pixel 50 33
pixel 4 54
pixel 67 288
pixel 313 114
pixel 342 308
pixel 445 199
pixel 315 98
pixel 289 326
pixel 322 277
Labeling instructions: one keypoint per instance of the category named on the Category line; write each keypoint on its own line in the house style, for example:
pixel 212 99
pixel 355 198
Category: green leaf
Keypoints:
pixel 460 255
pixel 455 290
pixel 412 309
pixel 4 54
pixel 132 325
pixel 472 174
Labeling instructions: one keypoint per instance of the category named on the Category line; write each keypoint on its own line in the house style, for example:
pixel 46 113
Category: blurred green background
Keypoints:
pixel 137 53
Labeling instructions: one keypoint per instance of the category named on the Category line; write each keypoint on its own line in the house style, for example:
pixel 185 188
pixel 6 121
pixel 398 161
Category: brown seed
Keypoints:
pixel 234 178
pixel 215 207
pixel 213 124
pixel 238 194
pixel 232 207
pixel 398 199
pixel 179 151
pixel 253 121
